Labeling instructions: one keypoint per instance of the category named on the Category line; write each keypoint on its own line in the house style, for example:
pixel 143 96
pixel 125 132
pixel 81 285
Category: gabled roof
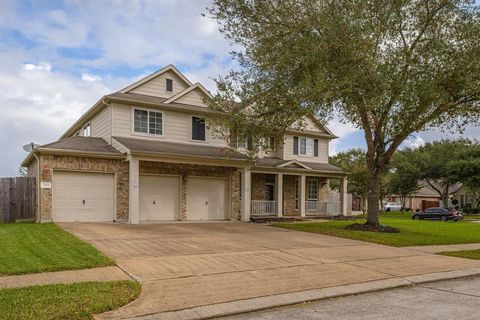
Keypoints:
pixel 189 89
pixel 276 163
pixel 294 163
pixel 154 75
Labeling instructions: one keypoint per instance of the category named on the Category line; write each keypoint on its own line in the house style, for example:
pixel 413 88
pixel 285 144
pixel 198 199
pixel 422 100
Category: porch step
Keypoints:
pixel 276 219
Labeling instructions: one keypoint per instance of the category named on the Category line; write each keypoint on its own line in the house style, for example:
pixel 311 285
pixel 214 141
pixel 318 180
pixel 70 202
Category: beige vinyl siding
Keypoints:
pixel 194 97
pixel 101 124
pixel 307 125
pixel 157 86
pixel 322 151
pixel 176 127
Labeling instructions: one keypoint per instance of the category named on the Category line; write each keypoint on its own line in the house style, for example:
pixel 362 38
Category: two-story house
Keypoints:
pixel 145 154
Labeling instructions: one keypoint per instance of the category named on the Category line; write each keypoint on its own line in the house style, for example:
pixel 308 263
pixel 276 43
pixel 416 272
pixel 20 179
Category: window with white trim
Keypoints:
pixel 198 129
pixel 169 85
pixel 87 130
pixel 150 122
pixel 305 146
pixel 312 190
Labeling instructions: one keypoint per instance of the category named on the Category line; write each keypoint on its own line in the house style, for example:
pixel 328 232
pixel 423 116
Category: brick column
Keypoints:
pixel 134 195
pixel 246 194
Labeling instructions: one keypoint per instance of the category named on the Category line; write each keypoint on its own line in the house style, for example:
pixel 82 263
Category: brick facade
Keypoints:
pixel 50 163
pixel 289 196
pixel 192 170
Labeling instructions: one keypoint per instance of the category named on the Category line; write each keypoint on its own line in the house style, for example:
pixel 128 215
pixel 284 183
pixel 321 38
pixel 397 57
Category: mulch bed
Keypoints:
pixel 365 227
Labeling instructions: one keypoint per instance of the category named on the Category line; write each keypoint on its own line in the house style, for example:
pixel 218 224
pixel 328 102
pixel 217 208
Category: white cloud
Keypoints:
pixel 413 142
pixel 41 66
pixel 341 130
pixel 90 77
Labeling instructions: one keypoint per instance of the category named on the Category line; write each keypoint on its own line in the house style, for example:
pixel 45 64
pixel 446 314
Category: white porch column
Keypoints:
pixel 303 182
pixel 246 194
pixel 134 202
pixel 279 194
pixel 343 196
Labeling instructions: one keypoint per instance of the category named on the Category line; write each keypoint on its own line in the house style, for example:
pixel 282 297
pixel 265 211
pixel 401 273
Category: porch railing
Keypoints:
pixel 313 207
pixel 263 208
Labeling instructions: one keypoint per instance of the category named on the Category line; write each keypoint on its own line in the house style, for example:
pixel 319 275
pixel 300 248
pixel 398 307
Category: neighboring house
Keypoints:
pixel 424 198
pixel 465 198
pixel 145 154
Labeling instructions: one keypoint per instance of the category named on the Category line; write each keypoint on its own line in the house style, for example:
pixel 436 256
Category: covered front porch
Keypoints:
pixel 299 195
pixel 294 191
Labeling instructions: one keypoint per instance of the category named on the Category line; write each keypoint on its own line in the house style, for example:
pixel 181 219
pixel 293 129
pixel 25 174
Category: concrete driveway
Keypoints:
pixel 183 266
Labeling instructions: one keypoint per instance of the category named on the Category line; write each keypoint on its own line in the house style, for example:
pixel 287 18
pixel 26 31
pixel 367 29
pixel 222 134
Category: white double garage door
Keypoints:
pixel 90 197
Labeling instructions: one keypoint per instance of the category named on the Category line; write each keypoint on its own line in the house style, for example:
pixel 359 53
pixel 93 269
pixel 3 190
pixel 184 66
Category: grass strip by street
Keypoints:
pixel 467 254
pixel 32 248
pixel 412 233
pixel 61 301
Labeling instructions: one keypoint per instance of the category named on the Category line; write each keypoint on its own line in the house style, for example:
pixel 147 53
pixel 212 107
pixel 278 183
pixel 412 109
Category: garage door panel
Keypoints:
pixel 83 197
pixel 207 199
pixel 159 198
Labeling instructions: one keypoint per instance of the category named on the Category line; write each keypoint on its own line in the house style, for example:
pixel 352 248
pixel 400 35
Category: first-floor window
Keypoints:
pixel 148 122
pixel 312 189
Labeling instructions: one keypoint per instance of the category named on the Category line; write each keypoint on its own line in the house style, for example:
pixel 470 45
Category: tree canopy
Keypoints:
pixel 391 68
pixel 354 163
pixel 440 164
pixel 403 176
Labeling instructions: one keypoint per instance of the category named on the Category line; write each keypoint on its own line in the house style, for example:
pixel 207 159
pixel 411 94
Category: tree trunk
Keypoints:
pixel 373 202
pixel 445 198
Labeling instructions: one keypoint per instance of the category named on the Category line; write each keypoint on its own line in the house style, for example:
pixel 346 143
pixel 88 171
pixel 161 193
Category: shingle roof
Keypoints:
pixel 154 101
pixel 179 149
pixel 82 144
pixel 271 162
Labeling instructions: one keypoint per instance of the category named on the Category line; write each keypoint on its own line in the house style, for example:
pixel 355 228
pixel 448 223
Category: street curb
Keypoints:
pixel 285 299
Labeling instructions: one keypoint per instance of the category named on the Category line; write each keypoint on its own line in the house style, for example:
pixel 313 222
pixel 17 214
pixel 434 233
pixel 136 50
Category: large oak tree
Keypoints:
pixel 390 68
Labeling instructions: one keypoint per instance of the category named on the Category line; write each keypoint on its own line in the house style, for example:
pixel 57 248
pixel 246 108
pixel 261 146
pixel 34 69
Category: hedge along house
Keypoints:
pixel 145 154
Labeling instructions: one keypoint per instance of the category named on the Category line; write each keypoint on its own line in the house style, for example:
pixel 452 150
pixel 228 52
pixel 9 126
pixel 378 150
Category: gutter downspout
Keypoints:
pixel 39 202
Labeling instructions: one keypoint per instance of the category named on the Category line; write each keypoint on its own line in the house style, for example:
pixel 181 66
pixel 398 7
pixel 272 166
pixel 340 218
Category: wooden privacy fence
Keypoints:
pixel 17 199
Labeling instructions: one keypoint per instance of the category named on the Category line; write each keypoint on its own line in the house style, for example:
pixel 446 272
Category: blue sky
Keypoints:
pixel 57 58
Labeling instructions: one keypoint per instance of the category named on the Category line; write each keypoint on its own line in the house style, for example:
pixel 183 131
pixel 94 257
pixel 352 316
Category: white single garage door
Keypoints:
pixel 207 199
pixel 159 198
pixel 83 196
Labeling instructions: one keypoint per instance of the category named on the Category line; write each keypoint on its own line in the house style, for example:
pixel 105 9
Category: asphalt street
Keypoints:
pixel 453 299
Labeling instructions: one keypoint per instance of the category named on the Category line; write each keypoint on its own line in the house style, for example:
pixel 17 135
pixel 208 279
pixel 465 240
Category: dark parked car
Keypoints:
pixel 438 214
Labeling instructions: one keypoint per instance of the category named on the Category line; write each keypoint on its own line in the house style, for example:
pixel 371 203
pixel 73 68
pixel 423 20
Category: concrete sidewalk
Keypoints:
pixel 102 274
pixel 443 248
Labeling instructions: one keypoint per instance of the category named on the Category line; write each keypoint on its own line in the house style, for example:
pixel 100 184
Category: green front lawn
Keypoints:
pixel 60 301
pixel 468 254
pixel 30 248
pixel 412 233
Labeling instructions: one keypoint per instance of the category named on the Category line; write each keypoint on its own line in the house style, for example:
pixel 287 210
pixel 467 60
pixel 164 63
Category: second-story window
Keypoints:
pixel 198 129
pixel 169 85
pixel 148 122
pixel 87 130
pixel 305 146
